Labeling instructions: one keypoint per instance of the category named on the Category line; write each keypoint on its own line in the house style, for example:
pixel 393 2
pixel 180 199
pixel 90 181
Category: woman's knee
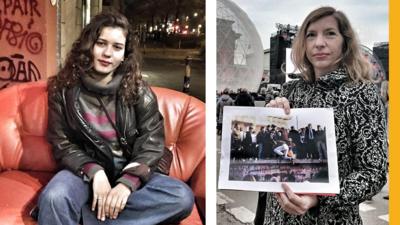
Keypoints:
pixel 178 193
pixel 64 189
pixel 55 196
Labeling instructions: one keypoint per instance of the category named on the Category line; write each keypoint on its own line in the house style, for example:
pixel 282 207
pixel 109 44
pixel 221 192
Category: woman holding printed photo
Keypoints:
pixel 334 75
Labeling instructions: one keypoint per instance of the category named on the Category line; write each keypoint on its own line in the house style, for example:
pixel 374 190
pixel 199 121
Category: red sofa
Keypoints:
pixel 27 163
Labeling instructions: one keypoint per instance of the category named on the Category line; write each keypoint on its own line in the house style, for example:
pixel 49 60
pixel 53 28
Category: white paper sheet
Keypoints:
pixel 308 169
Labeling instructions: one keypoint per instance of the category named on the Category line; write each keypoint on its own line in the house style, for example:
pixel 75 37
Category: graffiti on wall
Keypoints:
pixel 21 38
pixel 15 35
pixel 16 69
pixel 13 31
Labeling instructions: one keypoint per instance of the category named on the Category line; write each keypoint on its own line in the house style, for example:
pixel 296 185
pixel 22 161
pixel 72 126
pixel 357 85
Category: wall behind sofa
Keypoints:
pixel 27 41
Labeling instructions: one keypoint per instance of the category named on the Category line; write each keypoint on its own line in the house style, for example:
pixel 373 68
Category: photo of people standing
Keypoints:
pixel 263 142
pixel 272 153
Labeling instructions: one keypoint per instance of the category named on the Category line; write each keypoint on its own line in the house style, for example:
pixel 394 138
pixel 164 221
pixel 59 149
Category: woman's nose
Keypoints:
pixel 320 41
pixel 107 51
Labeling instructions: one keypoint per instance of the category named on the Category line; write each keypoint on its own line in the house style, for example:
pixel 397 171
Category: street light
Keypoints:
pixel 195 14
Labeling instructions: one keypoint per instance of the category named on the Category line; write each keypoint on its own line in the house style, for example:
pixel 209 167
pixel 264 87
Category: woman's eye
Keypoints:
pixel 99 43
pixel 310 35
pixel 331 33
pixel 118 47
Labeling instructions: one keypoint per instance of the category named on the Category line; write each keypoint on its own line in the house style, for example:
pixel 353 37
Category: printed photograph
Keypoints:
pixel 272 153
pixel 264 145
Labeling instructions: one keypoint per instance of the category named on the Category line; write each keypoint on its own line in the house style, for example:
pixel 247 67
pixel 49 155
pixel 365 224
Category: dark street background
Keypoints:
pixel 169 73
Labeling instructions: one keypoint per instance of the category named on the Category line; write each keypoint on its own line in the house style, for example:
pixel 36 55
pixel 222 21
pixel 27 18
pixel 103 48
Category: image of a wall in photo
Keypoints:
pixel 277 149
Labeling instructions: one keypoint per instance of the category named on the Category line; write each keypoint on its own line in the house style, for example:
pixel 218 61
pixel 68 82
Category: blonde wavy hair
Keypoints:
pixel 352 59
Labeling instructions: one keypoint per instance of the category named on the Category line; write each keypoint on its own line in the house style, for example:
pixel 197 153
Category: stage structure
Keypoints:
pixel 280 40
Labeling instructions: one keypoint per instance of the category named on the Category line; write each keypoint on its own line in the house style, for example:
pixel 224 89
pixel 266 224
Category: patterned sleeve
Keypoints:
pixel 367 138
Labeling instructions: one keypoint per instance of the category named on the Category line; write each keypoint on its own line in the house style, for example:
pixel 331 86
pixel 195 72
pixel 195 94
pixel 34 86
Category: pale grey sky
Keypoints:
pixel 368 17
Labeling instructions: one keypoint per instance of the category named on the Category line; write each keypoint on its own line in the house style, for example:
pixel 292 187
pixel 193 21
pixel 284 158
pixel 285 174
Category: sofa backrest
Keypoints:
pixel 23 125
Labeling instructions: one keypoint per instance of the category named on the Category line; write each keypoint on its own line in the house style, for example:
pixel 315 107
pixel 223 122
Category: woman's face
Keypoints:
pixel 108 51
pixel 324 45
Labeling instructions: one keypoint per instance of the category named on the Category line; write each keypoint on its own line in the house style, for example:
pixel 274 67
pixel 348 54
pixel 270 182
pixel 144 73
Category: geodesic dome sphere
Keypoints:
pixel 239 49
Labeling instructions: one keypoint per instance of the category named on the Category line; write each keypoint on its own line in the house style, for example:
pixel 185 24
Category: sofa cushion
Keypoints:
pixel 193 218
pixel 18 193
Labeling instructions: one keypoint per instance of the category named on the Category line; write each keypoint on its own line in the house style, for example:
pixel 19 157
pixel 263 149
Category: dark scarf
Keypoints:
pixel 110 88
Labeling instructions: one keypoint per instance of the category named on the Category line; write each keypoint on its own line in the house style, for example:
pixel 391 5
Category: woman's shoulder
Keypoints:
pixel 288 87
pixel 294 83
pixel 55 93
pixel 145 93
pixel 364 87
pixel 366 92
pixel 143 87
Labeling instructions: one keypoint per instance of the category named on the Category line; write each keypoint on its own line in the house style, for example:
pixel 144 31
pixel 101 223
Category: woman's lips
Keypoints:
pixel 104 63
pixel 320 55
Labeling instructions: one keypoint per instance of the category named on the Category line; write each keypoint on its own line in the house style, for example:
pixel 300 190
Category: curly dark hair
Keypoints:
pixel 79 60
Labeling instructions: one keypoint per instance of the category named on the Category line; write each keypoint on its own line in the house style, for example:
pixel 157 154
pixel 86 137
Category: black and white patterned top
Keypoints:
pixel 360 127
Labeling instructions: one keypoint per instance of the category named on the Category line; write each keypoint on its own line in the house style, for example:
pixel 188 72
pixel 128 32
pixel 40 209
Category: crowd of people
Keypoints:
pixel 272 142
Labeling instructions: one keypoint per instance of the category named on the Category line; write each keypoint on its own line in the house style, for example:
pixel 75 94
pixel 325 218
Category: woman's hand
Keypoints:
pixel 101 188
pixel 279 102
pixel 295 204
pixel 116 200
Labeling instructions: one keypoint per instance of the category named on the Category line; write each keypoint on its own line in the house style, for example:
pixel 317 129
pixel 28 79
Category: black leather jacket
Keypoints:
pixel 75 143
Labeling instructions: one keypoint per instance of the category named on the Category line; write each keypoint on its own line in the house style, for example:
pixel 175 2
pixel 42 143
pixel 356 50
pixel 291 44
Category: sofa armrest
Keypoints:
pixel 197 183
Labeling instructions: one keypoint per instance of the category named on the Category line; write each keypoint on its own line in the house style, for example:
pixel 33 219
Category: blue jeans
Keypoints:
pixel 163 199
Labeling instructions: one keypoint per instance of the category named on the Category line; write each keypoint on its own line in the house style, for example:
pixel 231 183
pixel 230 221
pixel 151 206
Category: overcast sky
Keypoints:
pixel 368 17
